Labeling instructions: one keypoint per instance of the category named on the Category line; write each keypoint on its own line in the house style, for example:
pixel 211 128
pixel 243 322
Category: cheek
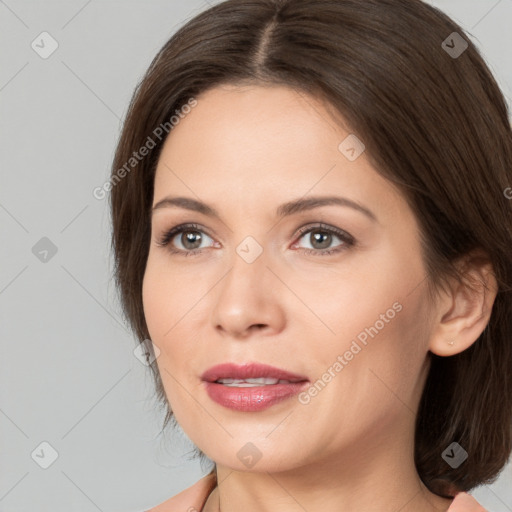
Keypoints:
pixel 168 297
pixel 366 295
pixel 386 343
pixel 378 380
pixel 175 316
pixel 375 316
pixel 154 303
pixel 161 311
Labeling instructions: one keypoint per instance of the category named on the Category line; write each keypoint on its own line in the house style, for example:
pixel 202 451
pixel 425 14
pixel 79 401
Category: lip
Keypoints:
pixel 249 371
pixel 256 398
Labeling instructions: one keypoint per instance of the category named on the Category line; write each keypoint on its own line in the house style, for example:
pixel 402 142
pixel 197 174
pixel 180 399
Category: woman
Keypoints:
pixel 312 236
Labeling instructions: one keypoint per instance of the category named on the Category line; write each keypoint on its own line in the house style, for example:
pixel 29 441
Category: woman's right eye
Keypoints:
pixel 191 237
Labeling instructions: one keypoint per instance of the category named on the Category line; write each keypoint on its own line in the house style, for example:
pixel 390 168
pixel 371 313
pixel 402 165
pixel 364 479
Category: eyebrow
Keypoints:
pixel 284 210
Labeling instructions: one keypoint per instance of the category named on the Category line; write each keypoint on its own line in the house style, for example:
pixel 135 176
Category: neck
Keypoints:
pixel 371 477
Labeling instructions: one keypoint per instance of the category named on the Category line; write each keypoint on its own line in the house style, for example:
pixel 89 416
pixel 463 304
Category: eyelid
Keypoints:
pixel 322 226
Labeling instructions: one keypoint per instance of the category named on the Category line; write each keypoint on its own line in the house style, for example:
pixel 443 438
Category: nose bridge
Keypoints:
pixel 245 295
pixel 248 269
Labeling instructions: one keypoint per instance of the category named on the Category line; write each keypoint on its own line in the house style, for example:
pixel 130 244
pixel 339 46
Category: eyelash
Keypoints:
pixel 348 241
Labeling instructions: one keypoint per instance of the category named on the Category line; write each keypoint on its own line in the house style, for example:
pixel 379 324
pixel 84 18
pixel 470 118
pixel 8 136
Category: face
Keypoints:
pixel 334 293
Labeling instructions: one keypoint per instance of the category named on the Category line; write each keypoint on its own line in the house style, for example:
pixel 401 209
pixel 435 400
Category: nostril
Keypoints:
pixel 259 326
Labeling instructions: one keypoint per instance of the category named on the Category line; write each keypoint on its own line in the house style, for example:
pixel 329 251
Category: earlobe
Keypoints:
pixel 463 313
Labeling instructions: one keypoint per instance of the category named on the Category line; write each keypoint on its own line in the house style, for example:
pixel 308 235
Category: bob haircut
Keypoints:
pixel 433 122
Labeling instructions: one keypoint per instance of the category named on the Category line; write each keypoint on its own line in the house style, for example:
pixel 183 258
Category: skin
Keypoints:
pixel 245 151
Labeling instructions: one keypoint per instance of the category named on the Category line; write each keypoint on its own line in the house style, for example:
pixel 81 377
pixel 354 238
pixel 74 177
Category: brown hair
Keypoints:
pixel 433 122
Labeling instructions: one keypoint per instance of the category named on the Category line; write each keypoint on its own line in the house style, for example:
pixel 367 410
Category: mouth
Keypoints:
pixel 250 383
pixel 250 374
pixel 251 387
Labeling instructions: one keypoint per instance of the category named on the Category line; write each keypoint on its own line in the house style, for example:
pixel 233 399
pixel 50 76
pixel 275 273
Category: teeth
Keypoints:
pixel 247 383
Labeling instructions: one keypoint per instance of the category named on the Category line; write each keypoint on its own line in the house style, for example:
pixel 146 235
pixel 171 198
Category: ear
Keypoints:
pixel 463 312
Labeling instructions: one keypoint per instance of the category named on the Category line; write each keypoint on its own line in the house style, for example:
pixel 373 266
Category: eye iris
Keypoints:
pixel 192 237
pixel 322 237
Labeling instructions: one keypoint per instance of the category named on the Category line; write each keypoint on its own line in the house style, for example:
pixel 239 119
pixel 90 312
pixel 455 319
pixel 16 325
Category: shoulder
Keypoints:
pixel 464 502
pixel 191 499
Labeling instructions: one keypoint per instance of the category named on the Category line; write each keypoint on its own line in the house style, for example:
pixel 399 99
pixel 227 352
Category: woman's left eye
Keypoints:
pixel 320 238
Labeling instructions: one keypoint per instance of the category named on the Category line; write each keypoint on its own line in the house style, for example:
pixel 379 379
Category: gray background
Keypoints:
pixel 68 374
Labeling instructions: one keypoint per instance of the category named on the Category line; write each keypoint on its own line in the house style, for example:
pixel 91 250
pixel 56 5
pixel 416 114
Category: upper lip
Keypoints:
pixel 249 371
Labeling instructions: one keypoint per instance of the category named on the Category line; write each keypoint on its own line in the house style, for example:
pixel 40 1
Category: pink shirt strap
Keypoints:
pixel 464 502
pixel 191 499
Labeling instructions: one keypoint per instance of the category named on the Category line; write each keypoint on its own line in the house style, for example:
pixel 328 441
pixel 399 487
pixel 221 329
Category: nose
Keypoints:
pixel 248 300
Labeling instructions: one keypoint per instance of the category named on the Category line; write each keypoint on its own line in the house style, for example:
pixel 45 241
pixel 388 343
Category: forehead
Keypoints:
pixel 252 122
pixel 261 145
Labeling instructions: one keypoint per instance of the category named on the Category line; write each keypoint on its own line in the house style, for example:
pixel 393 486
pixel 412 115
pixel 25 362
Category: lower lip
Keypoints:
pixel 251 399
